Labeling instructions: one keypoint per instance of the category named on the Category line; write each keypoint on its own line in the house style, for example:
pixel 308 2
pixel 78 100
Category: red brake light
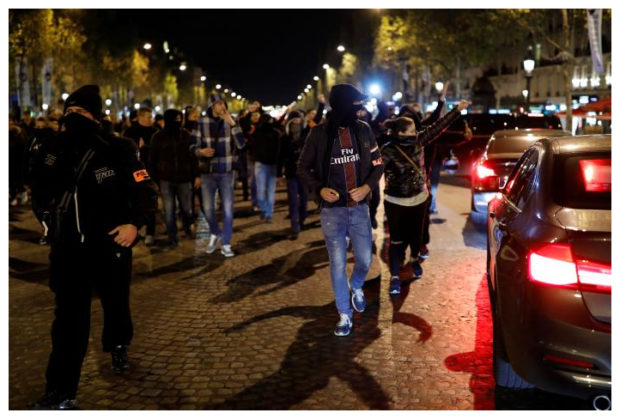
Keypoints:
pixel 596 175
pixel 483 172
pixel 594 276
pixel 554 265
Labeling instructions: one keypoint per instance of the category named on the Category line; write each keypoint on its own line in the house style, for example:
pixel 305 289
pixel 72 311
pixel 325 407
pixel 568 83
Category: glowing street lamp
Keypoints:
pixel 341 48
pixel 299 97
pixel 439 86
pixel 375 89
pixel 308 86
pixel 225 90
pixel 203 78
pixel 108 102
pixel 218 86
pixel 182 67
pixel 326 66
pixel 528 65
pixel 315 78
pixel 147 46
pixel 64 96
pixel 233 94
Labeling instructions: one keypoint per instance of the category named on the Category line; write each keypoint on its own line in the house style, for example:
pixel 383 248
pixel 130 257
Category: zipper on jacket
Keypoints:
pixel 77 214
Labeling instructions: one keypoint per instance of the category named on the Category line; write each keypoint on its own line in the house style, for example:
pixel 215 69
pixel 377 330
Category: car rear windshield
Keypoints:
pixel 542 121
pixel 510 145
pixel 583 182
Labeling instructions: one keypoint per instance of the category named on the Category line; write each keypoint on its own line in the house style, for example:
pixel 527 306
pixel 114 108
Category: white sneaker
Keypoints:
pixel 227 251
pixel 213 241
pixel 344 326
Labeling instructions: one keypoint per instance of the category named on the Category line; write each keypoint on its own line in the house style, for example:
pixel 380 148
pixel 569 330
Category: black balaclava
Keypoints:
pixel 78 126
pixel 341 99
pixel 172 122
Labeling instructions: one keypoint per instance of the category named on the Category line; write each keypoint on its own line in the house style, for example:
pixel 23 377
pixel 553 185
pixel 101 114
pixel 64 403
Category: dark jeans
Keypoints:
pixel 297 202
pixel 406 224
pixel 375 199
pixel 243 173
pixel 75 271
pixel 434 179
pixel 170 192
pixel 426 235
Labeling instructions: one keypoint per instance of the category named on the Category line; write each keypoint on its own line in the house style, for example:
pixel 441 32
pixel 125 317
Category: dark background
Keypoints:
pixel 264 54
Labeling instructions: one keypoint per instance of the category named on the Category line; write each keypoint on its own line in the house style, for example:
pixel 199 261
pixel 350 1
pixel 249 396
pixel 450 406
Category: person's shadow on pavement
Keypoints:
pixel 315 357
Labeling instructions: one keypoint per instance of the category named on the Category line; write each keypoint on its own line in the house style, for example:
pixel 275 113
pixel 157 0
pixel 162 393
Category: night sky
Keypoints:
pixel 264 54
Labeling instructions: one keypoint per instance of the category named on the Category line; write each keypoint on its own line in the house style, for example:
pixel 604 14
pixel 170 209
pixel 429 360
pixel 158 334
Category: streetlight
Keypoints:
pixel 182 67
pixel 64 96
pixel 309 87
pixel 233 94
pixel 147 46
pixel 108 102
pixel 315 78
pixel 375 89
pixel 218 86
pixel 439 86
pixel 528 65
pixel 299 97
pixel 203 78
pixel 225 90
pixel 326 66
pixel 341 48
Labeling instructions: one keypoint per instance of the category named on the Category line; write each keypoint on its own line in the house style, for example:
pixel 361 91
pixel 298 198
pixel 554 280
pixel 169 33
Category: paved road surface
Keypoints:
pixel 256 331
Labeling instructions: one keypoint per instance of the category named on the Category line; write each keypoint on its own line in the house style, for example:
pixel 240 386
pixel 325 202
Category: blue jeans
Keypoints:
pixel 297 202
pixel 170 192
pixel 211 183
pixel 337 223
pixel 265 187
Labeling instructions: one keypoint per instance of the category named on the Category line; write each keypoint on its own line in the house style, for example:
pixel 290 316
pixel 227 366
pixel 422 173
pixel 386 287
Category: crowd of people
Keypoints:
pixel 95 182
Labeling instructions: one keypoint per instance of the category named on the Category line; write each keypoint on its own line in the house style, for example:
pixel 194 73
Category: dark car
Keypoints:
pixel 483 125
pixel 490 172
pixel 549 269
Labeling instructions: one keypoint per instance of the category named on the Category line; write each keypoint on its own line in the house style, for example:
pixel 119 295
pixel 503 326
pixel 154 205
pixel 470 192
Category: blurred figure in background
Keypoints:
pixel 175 168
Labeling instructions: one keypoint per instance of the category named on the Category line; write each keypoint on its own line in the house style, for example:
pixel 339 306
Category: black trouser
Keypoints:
pixel 375 199
pixel 426 235
pixel 75 271
pixel 406 224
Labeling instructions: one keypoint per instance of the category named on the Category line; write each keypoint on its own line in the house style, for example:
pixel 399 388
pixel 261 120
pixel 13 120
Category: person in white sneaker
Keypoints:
pixel 214 141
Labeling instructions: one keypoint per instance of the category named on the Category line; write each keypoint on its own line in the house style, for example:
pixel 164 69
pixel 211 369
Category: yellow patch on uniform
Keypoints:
pixel 141 175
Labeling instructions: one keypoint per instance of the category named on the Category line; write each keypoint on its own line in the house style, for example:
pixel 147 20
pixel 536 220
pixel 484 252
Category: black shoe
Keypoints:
pixel 417 269
pixel 293 236
pixel 262 215
pixel 269 220
pixel 55 400
pixel 119 359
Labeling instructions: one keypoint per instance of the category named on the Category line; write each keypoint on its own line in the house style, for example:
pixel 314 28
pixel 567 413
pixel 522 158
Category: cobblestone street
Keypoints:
pixel 256 331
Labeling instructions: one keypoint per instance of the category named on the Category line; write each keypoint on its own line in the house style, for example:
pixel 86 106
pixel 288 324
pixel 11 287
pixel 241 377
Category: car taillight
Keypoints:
pixel 553 264
pixel 596 175
pixel 484 172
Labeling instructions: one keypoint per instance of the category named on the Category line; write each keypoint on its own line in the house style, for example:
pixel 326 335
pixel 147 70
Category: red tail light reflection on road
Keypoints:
pixel 554 265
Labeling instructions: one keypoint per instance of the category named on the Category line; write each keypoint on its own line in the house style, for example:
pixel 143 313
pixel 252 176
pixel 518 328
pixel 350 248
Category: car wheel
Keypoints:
pixel 505 375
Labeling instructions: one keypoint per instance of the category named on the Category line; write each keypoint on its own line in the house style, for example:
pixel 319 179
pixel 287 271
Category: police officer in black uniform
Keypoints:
pixel 93 194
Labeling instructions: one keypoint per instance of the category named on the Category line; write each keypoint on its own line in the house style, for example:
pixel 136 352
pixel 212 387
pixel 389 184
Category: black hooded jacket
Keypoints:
pixel 170 158
pixel 84 189
pixel 402 180
pixel 266 145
